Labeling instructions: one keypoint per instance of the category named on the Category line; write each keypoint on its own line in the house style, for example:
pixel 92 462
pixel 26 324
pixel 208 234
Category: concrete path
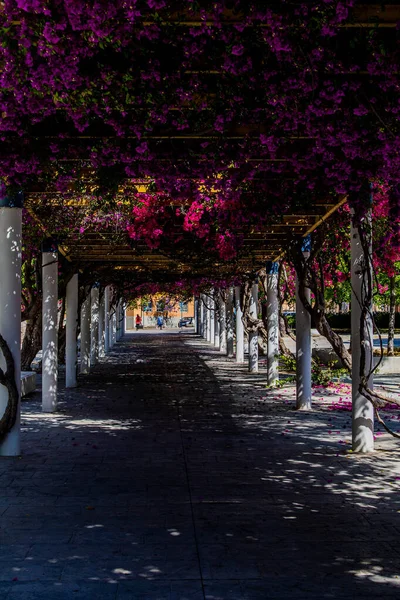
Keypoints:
pixel 172 474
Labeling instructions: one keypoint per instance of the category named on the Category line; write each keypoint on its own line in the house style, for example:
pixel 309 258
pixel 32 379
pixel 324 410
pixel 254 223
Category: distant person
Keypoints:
pixel 138 322
pixel 160 322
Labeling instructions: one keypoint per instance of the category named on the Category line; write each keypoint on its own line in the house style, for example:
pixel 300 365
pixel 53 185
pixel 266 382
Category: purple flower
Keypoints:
pixel 361 111
pixel 238 50
pixel 142 148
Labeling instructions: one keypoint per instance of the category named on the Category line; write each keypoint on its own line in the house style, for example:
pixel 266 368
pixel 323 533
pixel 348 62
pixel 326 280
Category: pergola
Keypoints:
pixel 112 256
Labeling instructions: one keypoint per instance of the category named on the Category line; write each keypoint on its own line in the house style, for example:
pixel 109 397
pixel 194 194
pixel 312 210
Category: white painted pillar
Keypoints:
pixel 209 319
pixel 273 323
pixel 123 317
pixel 303 346
pixel 106 319
pixel 229 323
pixel 70 332
pixel 363 411
pixel 196 316
pixel 10 307
pixel 253 335
pixel 217 320
pixel 49 326
pixel 101 325
pixel 206 312
pixel 239 327
pixel 94 325
pixel 114 327
pixel 210 337
pixel 222 325
pixel 201 323
pixel 111 331
pixel 85 335
pixel 117 322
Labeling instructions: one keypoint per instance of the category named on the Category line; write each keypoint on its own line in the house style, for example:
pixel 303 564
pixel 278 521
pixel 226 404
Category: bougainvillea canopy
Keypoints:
pixel 191 138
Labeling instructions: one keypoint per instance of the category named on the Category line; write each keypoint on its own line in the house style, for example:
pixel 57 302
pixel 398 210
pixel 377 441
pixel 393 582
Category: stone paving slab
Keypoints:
pixel 170 473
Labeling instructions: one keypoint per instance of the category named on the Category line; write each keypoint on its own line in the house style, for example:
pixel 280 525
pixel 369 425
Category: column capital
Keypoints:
pixel 14 201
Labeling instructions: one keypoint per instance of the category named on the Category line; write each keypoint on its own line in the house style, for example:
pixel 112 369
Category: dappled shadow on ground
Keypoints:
pixel 172 473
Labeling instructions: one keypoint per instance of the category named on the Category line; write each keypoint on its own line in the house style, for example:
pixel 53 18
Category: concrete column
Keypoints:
pixel 49 326
pixel 123 317
pixel 71 324
pixel 101 325
pixel 273 323
pixel 229 323
pixel 114 327
pixel 111 330
pixel 117 321
pixel 119 324
pixel 239 327
pixel 106 319
pixel 209 318
pixel 303 346
pixel 253 335
pixel 201 317
pixel 222 325
pixel 94 325
pixel 217 320
pixel 10 308
pixel 206 313
pixel 196 316
pixel 210 336
pixel 363 411
pixel 85 335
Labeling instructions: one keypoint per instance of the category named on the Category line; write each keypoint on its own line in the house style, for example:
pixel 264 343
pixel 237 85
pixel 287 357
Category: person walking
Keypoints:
pixel 138 322
pixel 160 322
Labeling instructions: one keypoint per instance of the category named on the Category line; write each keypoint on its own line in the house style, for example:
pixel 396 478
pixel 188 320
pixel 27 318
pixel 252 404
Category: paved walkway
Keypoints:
pixel 172 474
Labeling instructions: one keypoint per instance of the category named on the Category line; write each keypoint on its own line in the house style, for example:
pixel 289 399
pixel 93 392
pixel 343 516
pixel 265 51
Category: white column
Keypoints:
pixel 106 319
pixel 363 411
pixel 303 346
pixel 201 316
pixel 229 323
pixel 85 335
pixel 123 317
pixel 196 316
pixel 222 325
pixel 94 325
pixel 273 323
pixel 10 310
pixel 217 320
pixel 253 335
pixel 206 313
pixel 70 332
pixel 113 329
pixel 210 336
pixel 117 323
pixel 209 319
pixel 49 327
pixel 239 327
pixel 101 325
